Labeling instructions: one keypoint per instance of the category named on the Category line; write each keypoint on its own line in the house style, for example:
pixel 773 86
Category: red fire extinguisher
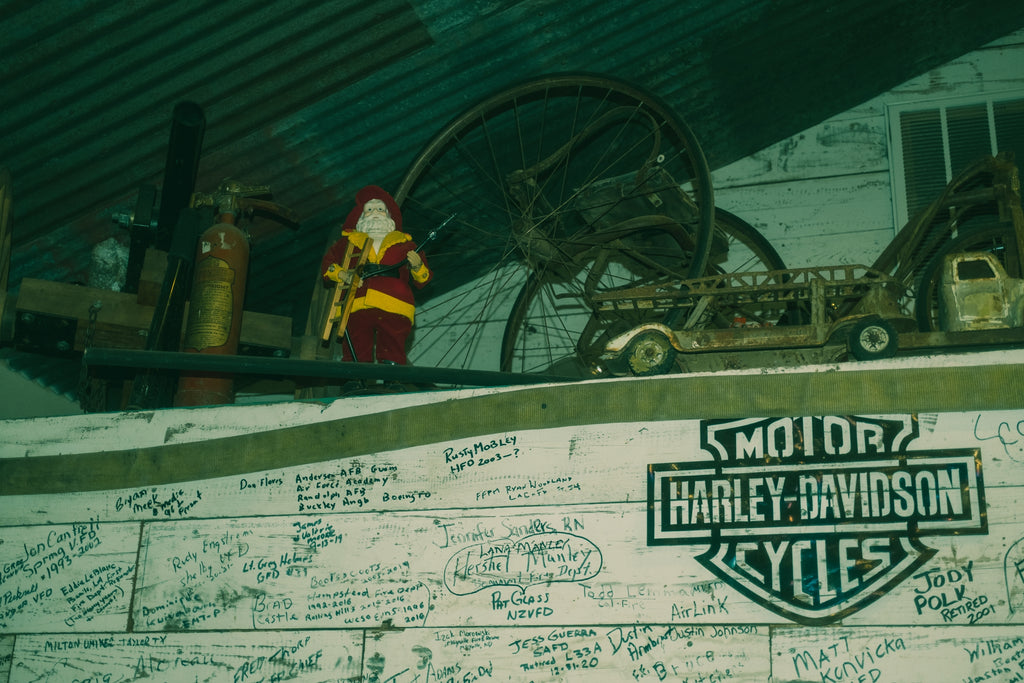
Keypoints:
pixel 218 292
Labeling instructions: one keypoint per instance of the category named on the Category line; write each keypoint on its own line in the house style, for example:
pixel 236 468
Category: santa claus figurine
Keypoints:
pixel 383 309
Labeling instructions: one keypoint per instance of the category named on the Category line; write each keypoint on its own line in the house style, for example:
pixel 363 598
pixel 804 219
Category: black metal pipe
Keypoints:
pixel 176 233
pixel 188 124
pixel 289 367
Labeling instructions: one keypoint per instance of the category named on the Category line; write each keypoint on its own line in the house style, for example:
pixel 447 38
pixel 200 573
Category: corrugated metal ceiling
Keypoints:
pixel 316 99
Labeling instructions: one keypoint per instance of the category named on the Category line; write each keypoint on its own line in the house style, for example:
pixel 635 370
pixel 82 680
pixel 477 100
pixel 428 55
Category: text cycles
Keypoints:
pixel 815 571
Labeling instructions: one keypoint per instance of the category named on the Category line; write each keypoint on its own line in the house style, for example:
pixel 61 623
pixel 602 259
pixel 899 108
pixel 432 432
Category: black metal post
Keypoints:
pixel 178 227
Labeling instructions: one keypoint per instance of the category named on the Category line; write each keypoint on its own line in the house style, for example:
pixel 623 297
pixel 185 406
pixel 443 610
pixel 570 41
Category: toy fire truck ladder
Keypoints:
pixel 833 288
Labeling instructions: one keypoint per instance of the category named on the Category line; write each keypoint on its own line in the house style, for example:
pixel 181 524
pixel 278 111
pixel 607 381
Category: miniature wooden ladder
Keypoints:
pixel 349 292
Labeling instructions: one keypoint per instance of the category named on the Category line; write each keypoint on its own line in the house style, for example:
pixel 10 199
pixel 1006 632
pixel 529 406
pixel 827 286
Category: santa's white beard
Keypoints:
pixel 377 227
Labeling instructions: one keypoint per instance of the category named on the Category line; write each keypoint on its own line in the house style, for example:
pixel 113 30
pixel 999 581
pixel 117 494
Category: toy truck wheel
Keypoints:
pixel 649 353
pixel 872 339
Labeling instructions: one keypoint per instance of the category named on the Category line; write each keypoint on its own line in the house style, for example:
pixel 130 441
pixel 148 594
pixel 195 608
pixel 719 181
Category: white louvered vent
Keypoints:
pixel 933 141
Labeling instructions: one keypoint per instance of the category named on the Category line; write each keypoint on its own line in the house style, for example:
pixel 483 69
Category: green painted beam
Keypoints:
pixel 677 397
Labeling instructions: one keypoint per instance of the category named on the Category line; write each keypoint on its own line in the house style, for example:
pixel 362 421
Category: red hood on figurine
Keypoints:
pixel 366 194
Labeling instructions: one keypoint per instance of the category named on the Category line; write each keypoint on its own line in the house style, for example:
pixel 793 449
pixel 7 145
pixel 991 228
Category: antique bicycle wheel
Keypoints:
pixel 558 325
pixel 555 325
pixel 970 199
pixel 535 171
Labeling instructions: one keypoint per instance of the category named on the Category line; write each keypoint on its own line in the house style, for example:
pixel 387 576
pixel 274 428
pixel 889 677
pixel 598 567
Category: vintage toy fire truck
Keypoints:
pixel 824 314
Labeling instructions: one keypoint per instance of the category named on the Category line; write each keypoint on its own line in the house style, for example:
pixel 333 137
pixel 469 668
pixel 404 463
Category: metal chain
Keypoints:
pixel 90 393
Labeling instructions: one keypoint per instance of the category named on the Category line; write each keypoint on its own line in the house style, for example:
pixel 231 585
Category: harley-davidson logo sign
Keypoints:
pixel 814 517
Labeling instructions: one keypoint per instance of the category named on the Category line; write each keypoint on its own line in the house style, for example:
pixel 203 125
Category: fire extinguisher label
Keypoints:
pixel 211 309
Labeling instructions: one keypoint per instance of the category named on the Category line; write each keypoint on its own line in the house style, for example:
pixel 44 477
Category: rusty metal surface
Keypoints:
pixel 791 284
pixel 978 299
pixel 977 294
pixel 988 182
pixel 833 298
pixel 316 99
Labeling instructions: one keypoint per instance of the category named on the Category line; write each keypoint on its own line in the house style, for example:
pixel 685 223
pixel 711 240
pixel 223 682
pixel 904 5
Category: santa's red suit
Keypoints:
pixel 384 308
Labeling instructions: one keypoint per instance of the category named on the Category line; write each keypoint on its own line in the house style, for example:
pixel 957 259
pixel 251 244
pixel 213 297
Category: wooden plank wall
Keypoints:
pixel 532 555
pixel 824 196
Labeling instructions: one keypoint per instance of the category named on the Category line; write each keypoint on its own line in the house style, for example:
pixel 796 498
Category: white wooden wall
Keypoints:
pixel 517 555
pixel 824 196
